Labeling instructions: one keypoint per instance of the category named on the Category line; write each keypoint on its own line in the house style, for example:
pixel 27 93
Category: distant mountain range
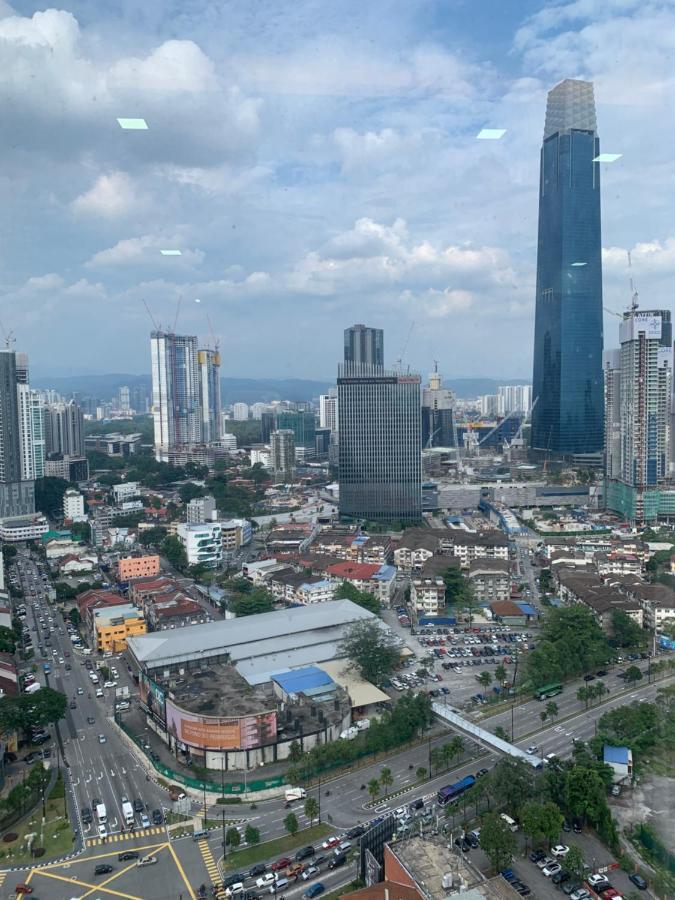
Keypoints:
pixel 246 390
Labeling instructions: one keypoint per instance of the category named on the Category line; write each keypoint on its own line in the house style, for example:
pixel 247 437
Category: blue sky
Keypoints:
pixel 317 165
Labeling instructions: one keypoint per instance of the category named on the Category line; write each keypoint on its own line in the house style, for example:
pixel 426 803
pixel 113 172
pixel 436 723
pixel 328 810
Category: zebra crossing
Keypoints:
pixel 125 836
pixel 211 867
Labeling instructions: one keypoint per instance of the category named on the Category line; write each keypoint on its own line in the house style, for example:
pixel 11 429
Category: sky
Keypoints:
pixel 317 165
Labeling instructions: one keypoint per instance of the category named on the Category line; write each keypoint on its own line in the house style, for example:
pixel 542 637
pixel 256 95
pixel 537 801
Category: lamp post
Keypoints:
pixel 222 796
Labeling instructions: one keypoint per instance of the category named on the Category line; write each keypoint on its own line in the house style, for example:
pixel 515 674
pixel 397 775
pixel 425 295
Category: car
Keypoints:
pixel 314 890
pixel 589 677
pixel 309 872
pixel 319 859
pixel 560 877
pixel 546 861
pixel 576 826
pixel 570 887
pixel 103 869
pixel 102 739
pixel 523 889
pixel 110 684
pixel 616 790
pixel 127 855
pixel 331 842
pixel 463 844
pixel 145 821
pixel 234 878
pixel 280 864
pixel 99 692
pixel 533 748
pixel 265 881
pixel 148 860
pixel 560 850
pixel 595 880
pixel 157 817
pixel 256 870
pixel 609 894
pixel 304 853
pixel 22 888
pixel 580 894
pixel 139 806
pixel 537 856
pixel 601 672
pixel 638 881
pixel 90 720
pixel 86 815
pixel 73 704
pixel 338 861
pixel 551 869
pixel 566 825
pixel 481 772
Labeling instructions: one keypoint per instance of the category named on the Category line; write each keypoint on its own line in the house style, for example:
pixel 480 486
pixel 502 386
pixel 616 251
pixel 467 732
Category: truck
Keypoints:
pixel 101 813
pixel 295 793
pixel 32 688
pixel 128 813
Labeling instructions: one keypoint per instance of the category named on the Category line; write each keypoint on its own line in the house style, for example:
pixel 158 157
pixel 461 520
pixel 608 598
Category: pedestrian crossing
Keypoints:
pixel 3 875
pixel 211 867
pixel 125 836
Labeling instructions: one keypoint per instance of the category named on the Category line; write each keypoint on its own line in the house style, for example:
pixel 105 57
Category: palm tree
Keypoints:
pixel 484 679
pixel 437 759
pixel 583 695
pixel 386 778
pixel 600 690
pixel 552 709
pixel 457 746
pixel 448 753
pixel 500 673
pixel 543 715
pixel 373 788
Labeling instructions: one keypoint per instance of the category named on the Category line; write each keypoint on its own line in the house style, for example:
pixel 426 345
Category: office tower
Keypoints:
pixel 516 398
pixel 201 509
pixel 257 409
pixel 567 374
pixel 282 453
pixel 138 398
pixel 644 371
pixel 17 494
pixel 611 365
pixel 124 399
pixel 438 414
pixel 379 453
pixel 328 410
pixel 175 392
pixel 64 429
pixel 209 394
pixel 491 406
pixel 267 426
pixel 240 412
pixel 302 424
pixel 364 345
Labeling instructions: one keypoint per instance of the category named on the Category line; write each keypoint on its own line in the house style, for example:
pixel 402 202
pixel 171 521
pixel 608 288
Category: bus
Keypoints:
pixel 450 791
pixel 548 690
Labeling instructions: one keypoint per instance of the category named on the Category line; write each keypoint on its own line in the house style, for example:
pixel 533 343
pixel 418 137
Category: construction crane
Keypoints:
pixel 8 336
pixel 175 321
pixel 405 345
pixel 156 326
pixel 633 291
pixel 216 342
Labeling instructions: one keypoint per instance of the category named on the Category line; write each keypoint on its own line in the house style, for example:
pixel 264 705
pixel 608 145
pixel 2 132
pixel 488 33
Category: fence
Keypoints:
pixel 228 788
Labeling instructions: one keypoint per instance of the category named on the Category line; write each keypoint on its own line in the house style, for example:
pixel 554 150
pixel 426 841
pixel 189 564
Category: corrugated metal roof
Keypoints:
pixel 300 680
pixel 616 755
pixel 527 608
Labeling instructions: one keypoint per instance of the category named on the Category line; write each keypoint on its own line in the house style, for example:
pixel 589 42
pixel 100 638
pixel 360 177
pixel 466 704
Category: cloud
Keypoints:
pixel 44 282
pixel 146 251
pixel 112 196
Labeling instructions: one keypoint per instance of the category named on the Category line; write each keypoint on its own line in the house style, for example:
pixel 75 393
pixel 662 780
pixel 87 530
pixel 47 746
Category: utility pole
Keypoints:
pixel 222 795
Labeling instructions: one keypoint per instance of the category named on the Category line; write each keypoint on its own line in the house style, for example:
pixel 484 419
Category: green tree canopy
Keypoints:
pixel 257 601
pixel 625 633
pixel 497 841
pixel 190 491
pixel 44 707
pixel 457 588
pixel 232 837
pixel 368 601
pixel 541 821
pixel 571 643
pixel 175 553
pixel 512 784
pixel 49 493
pixel 372 650
pixel 291 823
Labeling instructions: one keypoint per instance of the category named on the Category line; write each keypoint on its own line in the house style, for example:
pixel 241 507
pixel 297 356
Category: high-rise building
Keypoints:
pixel 124 398
pixel 201 509
pixel 175 392
pixel 240 412
pixel 328 417
pixel 17 494
pixel 491 405
pixel 302 424
pixel 209 394
pixel 282 455
pixel 364 345
pixel 379 453
pixel 516 398
pixel 638 391
pixel 438 414
pixel 567 375
pixel 64 429
pixel 267 426
pixel 257 409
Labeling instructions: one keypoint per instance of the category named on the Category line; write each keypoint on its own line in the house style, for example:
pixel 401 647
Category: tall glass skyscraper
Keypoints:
pixel 175 392
pixel 364 345
pixel 567 378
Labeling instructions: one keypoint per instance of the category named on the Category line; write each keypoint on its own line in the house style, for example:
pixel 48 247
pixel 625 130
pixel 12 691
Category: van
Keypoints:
pixel 200 835
pixel 509 821
pixel 280 883
pixel 101 813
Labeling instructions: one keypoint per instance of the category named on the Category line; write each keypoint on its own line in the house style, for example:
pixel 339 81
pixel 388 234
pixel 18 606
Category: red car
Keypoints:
pixel 609 894
pixel 23 889
pixel 282 863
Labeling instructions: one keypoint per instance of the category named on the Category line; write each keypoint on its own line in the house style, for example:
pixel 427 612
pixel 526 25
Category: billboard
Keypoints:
pixel 151 695
pixel 216 733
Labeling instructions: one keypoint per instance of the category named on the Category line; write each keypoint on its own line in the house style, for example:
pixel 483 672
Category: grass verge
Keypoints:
pixel 240 859
pixel 56 838
pixel 345 889
pixel 173 818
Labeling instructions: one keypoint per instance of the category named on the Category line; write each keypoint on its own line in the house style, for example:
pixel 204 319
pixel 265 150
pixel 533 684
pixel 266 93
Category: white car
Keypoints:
pixel 145 821
pixel 101 739
pixel 546 861
pixel 310 872
pixel 110 684
pixel 595 880
pixel 560 851
pixel 581 894
pixel 99 692
pixel 265 880
pixel 533 748
pixel 102 831
pixel 552 869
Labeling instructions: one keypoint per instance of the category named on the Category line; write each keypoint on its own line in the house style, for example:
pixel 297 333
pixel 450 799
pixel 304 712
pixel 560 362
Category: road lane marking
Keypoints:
pixel 181 871
pixel 86 884
pixel 211 867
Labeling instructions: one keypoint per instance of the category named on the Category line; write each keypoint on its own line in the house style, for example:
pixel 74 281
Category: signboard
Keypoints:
pixel 372 869
pixel 217 733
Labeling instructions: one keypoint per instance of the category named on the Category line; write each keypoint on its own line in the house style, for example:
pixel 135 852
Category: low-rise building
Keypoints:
pixel 201 509
pixel 173 609
pixel 113 625
pixel 288 586
pixel 126 490
pixel 202 543
pixel 138 567
pixel 490 579
pixel 617 563
pixel 60 547
pixel 621 761
pixel 468 546
pixel 76 565
pixel 427 594
pixel 114 444
pixel 414 548
pixel 73 506
pixel 371 577
pixel 235 533
pixel 23 528
pixel 508 613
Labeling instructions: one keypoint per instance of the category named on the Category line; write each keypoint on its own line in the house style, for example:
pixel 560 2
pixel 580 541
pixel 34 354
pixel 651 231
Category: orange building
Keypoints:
pixel 138 567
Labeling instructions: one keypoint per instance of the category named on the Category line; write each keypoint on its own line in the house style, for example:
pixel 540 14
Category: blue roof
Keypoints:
pixel 386 573
pixel 526 608
pixel 616 755
pixel 295 681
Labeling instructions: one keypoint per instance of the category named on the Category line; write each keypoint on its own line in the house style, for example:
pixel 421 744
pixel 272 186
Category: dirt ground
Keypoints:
pixel 653 801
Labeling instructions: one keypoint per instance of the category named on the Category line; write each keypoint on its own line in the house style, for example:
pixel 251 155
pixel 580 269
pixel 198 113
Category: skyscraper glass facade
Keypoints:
pixel 567 375
pixel 364 345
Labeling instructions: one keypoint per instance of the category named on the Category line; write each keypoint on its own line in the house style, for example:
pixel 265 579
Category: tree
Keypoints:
pixel 500 673
pixel 7 640
pixel 311 809
pixel 74 616
pixel 175 553
pixel 190 491
pixel 373 788
pixel 421 773
pixel 152 537
pixel 49 493
pixel 232 838
pixel 46 706
pixel 502 733
pixel 252 834
pixel 543 715
pixel 368 601
pixel 294 751
pixel 291 823
pixel 511 784
pixel 484 679
pixel 600 689
pixel 552 710
pixel 105 672
pixel 497 841
pixel 457 587
pixel 633 674
pixel 386 778
pixel 541 821
pixel 258 601
pixel 571 643
pixel 575 862
pixel 584 695
pixel 371 650
pixel 585 793
pixel 625 633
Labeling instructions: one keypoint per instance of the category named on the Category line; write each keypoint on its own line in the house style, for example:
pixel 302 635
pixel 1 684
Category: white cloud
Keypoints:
pixel 145 251
pixel 49 282
pixel 112 195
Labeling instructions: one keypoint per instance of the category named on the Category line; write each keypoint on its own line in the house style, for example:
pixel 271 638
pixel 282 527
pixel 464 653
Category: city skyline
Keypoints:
pixel 379 203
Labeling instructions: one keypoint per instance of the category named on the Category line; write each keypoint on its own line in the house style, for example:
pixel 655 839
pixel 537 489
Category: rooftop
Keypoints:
pixel 352 570
pixel 621 755
pixel 218 691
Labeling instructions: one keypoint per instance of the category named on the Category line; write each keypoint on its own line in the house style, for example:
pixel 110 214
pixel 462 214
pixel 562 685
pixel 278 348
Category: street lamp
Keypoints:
pixel 222 796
